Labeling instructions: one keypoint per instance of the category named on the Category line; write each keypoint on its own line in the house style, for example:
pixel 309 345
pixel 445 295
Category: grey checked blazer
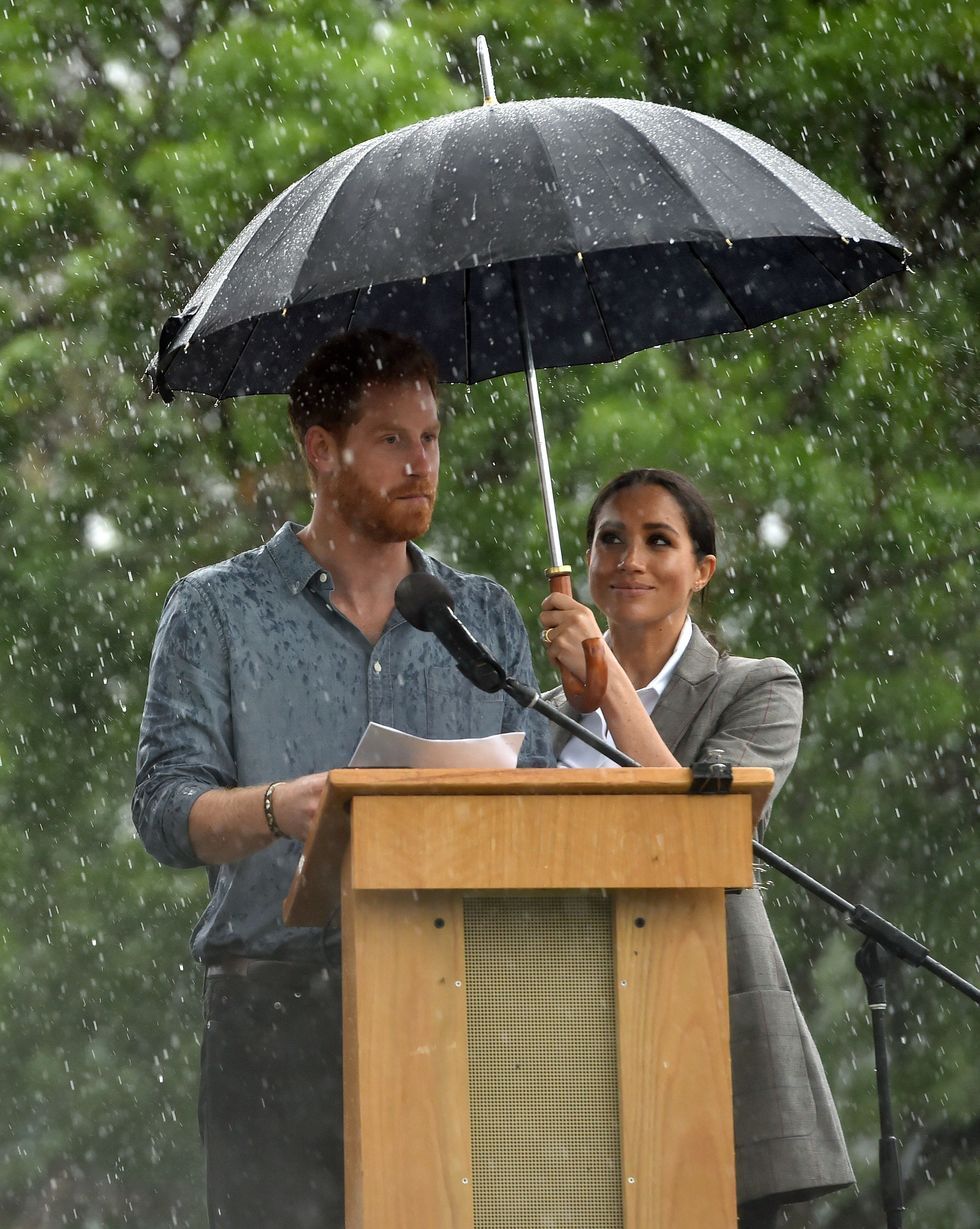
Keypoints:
pixel 788 1141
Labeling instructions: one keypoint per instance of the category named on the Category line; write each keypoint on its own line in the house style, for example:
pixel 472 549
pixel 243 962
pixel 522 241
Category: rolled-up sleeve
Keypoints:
pixel 186 740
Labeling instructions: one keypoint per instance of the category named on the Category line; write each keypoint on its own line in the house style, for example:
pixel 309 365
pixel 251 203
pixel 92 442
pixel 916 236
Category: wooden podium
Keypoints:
pixel 535 993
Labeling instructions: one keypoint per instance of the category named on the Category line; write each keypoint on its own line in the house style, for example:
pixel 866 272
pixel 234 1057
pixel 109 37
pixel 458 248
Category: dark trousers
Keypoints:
pixel 761 1214
pixel 271 1104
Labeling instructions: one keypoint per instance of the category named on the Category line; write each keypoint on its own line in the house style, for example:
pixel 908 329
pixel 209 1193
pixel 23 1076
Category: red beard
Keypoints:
pixel 380 516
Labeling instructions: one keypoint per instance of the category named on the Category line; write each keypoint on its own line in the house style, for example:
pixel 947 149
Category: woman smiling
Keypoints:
pixel 670 700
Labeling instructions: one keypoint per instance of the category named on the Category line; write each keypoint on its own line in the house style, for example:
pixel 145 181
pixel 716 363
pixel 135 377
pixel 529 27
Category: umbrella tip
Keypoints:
pixel 486 72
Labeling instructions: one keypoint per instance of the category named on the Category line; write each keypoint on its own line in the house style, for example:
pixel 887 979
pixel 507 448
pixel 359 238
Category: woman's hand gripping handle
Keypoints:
pixel 584 696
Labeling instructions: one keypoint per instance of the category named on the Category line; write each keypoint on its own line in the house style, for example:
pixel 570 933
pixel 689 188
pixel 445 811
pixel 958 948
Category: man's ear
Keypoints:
pixel 322 452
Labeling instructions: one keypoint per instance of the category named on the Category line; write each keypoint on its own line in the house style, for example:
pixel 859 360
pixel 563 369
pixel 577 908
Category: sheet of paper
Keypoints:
pixel 383 747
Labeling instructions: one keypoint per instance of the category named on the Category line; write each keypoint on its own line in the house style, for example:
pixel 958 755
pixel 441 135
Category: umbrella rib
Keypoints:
pixel 569 220
pixel 466 323
pixel 728 298
pixel 762 159
pixel 241 355
pixel 326 221
pixel 353 308
pixel 543 145
pixel 849 293
pixel 675 173
pixel 248 235
pixel 595 299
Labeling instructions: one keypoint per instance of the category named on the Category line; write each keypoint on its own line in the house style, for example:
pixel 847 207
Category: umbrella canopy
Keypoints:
pixel 614 225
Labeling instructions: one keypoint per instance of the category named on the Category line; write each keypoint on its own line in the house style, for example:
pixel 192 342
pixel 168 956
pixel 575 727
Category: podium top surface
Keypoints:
pixel 316 880
pixel 344 784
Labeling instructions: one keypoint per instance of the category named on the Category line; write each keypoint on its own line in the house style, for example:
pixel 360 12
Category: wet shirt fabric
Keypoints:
pixel 255 677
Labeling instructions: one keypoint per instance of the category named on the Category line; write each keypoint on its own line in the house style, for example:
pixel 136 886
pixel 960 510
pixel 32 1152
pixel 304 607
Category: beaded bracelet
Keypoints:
pixel 270 816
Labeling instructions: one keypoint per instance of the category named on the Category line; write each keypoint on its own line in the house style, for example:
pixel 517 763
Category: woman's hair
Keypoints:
pixel 698 516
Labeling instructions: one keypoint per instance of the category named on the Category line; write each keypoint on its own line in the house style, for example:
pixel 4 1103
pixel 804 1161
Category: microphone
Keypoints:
pixel 425 602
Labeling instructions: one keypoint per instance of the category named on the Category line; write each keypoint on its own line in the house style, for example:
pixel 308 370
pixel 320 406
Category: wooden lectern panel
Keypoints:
pixel 406 1103
pixel 675 1076
pixel 523 842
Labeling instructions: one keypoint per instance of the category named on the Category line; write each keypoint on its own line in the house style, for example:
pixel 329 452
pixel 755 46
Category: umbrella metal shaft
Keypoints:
pixel 486 72
pixel 537 430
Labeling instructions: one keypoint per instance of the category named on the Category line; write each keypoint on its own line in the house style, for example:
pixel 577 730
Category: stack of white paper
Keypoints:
pixel 383 747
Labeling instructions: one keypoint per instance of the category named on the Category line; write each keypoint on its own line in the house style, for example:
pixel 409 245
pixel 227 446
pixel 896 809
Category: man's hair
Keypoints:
pixel 327 390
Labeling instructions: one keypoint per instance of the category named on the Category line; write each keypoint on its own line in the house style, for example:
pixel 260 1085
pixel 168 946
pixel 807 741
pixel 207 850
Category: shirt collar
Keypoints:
pixel 656 687
pixel 298 567
pixel 294 561
pixel 420 560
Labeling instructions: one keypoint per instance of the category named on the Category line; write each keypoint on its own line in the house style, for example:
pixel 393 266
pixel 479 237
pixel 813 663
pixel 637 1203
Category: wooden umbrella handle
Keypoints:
pixel 585 697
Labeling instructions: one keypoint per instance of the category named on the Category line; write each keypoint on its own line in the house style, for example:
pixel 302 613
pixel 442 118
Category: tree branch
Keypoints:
pixel 57 132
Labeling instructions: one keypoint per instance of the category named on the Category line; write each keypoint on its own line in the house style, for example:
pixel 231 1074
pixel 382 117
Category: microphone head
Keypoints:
pixel 420 594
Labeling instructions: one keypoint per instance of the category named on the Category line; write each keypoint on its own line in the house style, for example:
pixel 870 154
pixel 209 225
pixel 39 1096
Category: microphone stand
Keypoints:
pixel 880 935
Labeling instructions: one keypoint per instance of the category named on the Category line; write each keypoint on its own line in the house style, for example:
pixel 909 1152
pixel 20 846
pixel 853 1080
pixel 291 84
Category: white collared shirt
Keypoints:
pixel 576 754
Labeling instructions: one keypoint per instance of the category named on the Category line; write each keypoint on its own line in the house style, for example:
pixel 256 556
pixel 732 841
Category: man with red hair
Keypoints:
pixel 266 670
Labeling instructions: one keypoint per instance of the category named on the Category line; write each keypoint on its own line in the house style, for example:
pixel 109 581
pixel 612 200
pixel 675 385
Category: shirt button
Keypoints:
pixel 323 578
pixel 377 667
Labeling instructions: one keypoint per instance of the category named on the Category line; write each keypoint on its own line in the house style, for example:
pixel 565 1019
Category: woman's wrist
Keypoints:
pixel 620 696
pixel 620 706
pixel 630 725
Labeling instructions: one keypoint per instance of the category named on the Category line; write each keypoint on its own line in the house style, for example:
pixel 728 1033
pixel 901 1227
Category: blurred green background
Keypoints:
pixel 839 446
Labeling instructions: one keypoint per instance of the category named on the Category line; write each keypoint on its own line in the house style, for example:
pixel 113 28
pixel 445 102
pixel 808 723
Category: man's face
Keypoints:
pixel 384 485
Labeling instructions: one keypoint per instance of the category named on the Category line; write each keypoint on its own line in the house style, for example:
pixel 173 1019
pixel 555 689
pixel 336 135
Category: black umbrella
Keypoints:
pixel 547 233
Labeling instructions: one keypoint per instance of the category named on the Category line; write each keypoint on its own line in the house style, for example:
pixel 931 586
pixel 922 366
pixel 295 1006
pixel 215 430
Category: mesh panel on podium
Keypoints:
pixel 541 1025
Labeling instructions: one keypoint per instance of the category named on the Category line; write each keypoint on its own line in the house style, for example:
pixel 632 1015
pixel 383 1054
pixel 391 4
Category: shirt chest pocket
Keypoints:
pixel 457 709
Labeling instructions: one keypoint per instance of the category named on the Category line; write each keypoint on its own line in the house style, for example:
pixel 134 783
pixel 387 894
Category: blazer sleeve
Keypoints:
pixel 760 726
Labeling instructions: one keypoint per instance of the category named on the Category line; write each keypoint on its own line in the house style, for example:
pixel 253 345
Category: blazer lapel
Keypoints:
pixel 690 686
pixel 560 736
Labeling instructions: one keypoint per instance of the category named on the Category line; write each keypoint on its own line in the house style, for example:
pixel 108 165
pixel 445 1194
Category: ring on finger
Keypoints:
pixel 547 634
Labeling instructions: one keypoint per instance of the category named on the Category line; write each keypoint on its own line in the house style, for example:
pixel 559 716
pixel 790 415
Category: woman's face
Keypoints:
pixel 642 563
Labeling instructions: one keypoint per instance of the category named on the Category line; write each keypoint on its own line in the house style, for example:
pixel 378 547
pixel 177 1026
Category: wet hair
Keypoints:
pixel 326 392
pixel 698 517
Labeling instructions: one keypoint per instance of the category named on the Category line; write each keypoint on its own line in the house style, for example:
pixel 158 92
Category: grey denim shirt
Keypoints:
pixel 256 677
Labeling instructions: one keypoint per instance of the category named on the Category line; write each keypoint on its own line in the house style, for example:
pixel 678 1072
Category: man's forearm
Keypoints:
pixel 226 825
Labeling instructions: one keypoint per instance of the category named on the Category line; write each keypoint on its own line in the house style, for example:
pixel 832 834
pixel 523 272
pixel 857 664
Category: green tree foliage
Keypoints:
pixel 135 141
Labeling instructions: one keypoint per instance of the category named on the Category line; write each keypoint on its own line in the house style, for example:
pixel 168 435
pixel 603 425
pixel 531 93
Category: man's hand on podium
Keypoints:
pixel 296 803
pixel 228 824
